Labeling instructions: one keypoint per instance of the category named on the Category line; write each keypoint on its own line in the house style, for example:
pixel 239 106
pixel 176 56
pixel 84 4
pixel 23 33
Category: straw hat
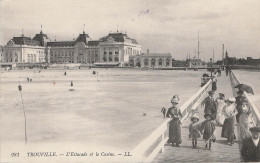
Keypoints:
pixel 231 100
pixel 244 100
pixel 175 99
pixel 207 114
pixel 255 129
pixel 222 94
pixel 211 92
pixel 194 116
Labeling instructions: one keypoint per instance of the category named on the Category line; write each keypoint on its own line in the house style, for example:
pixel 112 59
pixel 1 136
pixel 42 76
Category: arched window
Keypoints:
pixel 10 56
pixel 28 58
pixel 110 59
pixel 96 58
pixel 146 62
pixel 153 62
pixel 167 62
pixel 16 57
pixel 31 56
pixel 160 62
pixel 104 59
pixel 116 59
pixel 131 62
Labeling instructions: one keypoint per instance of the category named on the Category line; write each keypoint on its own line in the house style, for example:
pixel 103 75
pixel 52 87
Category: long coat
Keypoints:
pixel 239 106
pixel 208 127
pixel 250 152
pixel 174 128
pixel 194 129
pixel 210 106
pixel 244 122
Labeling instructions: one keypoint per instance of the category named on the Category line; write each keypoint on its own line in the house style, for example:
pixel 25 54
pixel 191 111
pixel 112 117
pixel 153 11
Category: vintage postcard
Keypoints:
pixel 131 81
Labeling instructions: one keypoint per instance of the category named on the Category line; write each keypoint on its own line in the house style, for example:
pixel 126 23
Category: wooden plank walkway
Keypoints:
pixel 220 152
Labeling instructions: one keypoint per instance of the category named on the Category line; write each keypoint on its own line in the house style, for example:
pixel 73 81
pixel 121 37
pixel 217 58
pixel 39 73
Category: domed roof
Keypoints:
pixel 119 37
pixel 83 38
pixel 22 40
pixel 42 38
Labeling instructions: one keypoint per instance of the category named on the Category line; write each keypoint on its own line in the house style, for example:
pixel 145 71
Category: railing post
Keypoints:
pixel 162 149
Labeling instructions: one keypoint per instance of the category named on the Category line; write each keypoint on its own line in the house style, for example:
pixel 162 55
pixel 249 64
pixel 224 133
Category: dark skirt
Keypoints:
pixel 175 131
pixel 228 130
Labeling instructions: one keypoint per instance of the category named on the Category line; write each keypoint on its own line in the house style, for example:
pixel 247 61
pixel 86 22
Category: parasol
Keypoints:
pixel 245 88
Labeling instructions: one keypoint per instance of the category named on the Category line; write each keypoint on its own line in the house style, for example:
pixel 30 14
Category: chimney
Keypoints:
pixel 147 51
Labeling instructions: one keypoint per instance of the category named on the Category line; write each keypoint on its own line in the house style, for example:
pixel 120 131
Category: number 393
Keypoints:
pixel 15 154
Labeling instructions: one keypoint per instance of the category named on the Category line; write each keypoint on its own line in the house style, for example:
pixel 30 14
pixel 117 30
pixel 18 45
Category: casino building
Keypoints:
pixel 151 60
pixel 115 48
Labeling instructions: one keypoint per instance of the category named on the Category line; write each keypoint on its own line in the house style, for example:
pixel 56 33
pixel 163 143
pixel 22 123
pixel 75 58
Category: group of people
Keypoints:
pixel 225 112
pixel 228 112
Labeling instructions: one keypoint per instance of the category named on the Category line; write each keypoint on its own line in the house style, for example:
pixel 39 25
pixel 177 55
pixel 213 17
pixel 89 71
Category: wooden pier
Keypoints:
pixel 220 152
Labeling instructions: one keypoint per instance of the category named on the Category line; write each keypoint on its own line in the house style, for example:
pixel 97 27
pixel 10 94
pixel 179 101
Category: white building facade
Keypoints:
pixel 113 48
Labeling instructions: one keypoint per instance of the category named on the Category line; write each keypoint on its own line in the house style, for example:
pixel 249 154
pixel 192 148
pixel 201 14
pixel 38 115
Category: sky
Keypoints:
pixel 167 26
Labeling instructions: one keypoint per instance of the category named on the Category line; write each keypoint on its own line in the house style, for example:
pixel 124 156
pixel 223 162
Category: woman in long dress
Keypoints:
pixel 174 128
pixel 220 103
pixel 243 120
pixel 229 124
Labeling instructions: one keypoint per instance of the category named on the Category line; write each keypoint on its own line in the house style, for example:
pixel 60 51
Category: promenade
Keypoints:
pixel 220 152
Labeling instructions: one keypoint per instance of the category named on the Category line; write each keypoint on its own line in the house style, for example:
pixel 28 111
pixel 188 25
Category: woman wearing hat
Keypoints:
pixel 220 103
pixel 229 111
pixel 239 99
pixel 251 146
pixel 244 120
pixel 174 128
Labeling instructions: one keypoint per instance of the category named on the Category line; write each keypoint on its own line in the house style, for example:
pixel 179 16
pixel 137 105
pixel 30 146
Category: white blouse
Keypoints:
pixel 230 111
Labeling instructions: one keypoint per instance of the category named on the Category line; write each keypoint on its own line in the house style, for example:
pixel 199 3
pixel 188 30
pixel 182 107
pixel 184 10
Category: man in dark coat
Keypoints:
pixel 227 70
pixel 251 146
pixel 163 111
pixel 210 105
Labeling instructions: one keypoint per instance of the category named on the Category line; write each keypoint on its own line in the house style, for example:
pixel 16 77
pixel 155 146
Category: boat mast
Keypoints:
pixel 198 44
pixel 213 55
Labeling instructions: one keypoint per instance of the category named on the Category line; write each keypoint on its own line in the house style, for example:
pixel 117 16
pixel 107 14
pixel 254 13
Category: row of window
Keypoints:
pixel 110 53
pixel 61 55
pixel 110 49
pixel 153 62
pixel 92 52
pixel 61 52
pixel 31 58
pixel 110 59
pixel 146 63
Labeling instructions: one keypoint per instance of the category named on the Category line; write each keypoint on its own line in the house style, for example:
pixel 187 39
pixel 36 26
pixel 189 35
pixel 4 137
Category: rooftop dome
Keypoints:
pixel 119 37
pixel 42 38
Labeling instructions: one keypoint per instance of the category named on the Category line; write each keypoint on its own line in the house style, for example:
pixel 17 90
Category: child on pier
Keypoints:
pixel 194 130
pixel 207 128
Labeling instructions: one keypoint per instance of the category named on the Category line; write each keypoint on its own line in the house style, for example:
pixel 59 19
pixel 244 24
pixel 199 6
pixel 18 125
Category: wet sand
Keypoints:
pixel 104 112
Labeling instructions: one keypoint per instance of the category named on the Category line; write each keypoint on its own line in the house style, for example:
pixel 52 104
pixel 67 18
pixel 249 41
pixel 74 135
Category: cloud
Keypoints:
pixel 205 16
pixel 161 25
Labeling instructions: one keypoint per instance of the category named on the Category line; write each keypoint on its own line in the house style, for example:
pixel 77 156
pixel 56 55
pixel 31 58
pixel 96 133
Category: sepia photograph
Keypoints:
pixel 129 81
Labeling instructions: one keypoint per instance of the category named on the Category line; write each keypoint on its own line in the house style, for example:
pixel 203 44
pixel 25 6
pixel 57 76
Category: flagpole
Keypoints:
pixel 20 89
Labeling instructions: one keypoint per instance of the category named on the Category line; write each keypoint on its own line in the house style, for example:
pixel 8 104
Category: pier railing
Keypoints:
pixel 255 113
pixel 147 150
